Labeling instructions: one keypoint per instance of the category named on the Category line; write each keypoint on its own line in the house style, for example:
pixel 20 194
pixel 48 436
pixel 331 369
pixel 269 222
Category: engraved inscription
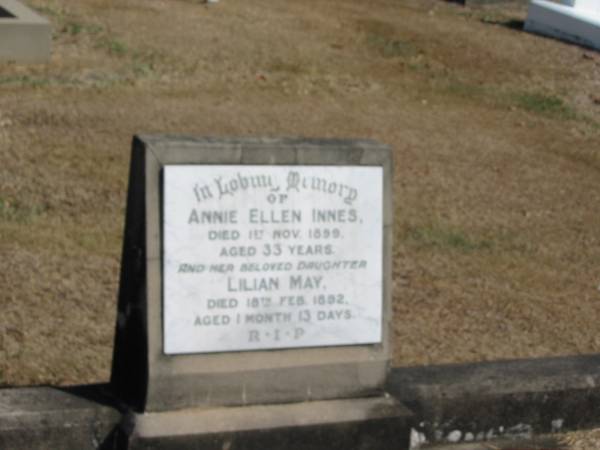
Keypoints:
pixel 271 257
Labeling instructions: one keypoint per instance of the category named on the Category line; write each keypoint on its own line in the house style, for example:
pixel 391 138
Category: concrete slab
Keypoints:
pixel 76 418
pixel 485 401
pixel 537 443
pixel 25 36
pixel 378 423
pixel 574 21
pixel 501 403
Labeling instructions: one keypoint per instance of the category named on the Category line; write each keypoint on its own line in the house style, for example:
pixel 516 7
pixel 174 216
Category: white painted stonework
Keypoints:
pixel 271 257
pixel 575 21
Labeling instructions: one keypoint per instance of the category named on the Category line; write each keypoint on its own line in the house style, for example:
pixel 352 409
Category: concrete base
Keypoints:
pixel 378 423
pixel 500 399
pixel 25 36
pixel 44 418
pixel 567 23
pixel 551 442
pixel 452 403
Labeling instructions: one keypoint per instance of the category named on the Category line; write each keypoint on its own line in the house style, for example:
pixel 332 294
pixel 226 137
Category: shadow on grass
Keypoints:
pixel 511 24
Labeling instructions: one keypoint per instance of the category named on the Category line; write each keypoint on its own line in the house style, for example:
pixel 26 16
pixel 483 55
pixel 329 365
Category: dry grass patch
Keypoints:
pixel 495 141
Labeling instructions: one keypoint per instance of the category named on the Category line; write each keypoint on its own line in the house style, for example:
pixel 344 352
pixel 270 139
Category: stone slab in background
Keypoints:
pixel 552 442
pixel 77 418
pixel 500 399
pixel 25 36
pixel 378 423
pixel 580 25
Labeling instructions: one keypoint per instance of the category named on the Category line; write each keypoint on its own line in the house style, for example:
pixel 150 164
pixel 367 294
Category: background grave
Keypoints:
pixel 25 36
pixel 575 21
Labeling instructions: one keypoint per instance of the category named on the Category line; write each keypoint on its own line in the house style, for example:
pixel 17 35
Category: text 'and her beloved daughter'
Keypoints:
pixel 265 257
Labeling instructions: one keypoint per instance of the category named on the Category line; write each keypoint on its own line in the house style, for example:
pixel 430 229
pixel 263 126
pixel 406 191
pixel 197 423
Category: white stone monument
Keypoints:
pixel 575 21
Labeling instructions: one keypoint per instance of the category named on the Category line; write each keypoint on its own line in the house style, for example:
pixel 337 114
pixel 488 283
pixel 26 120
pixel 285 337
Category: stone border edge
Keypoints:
pixel 451 403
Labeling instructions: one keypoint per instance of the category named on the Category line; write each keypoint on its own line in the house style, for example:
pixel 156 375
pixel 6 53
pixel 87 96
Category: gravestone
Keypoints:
pixel 25 36
pixel 255 293
pixel 576 21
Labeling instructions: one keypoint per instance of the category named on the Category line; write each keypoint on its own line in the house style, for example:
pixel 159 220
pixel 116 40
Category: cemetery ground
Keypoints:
pixel 496 138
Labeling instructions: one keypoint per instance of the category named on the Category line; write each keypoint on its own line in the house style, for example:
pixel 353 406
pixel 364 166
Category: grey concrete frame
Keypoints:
pixel 507 398
pixel 151 381
pixel 26 37
pixel 352 424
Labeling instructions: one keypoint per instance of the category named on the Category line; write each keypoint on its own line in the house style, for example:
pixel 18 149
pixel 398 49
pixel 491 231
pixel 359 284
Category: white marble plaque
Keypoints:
pixel 271 257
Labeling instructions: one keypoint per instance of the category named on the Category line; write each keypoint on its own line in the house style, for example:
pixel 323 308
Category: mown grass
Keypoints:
pixel 75 28
pixel 25 80
pixel 465 90
pixel 390 48
pixel 444 237
pixel 113 46
pixel 15 211
pixel 546 105
pixel 290 67
pixel 11 340
pixel 61 236
pixel 48 10
pixel 383 39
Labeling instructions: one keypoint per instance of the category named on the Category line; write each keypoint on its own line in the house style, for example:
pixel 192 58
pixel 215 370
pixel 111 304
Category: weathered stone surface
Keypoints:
pixel 552 442
pixel 52 418
pixel 148 379
pixel 479 401
pixel 576 21
pixel 25 36
pixel 507 399
pixel 366 424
